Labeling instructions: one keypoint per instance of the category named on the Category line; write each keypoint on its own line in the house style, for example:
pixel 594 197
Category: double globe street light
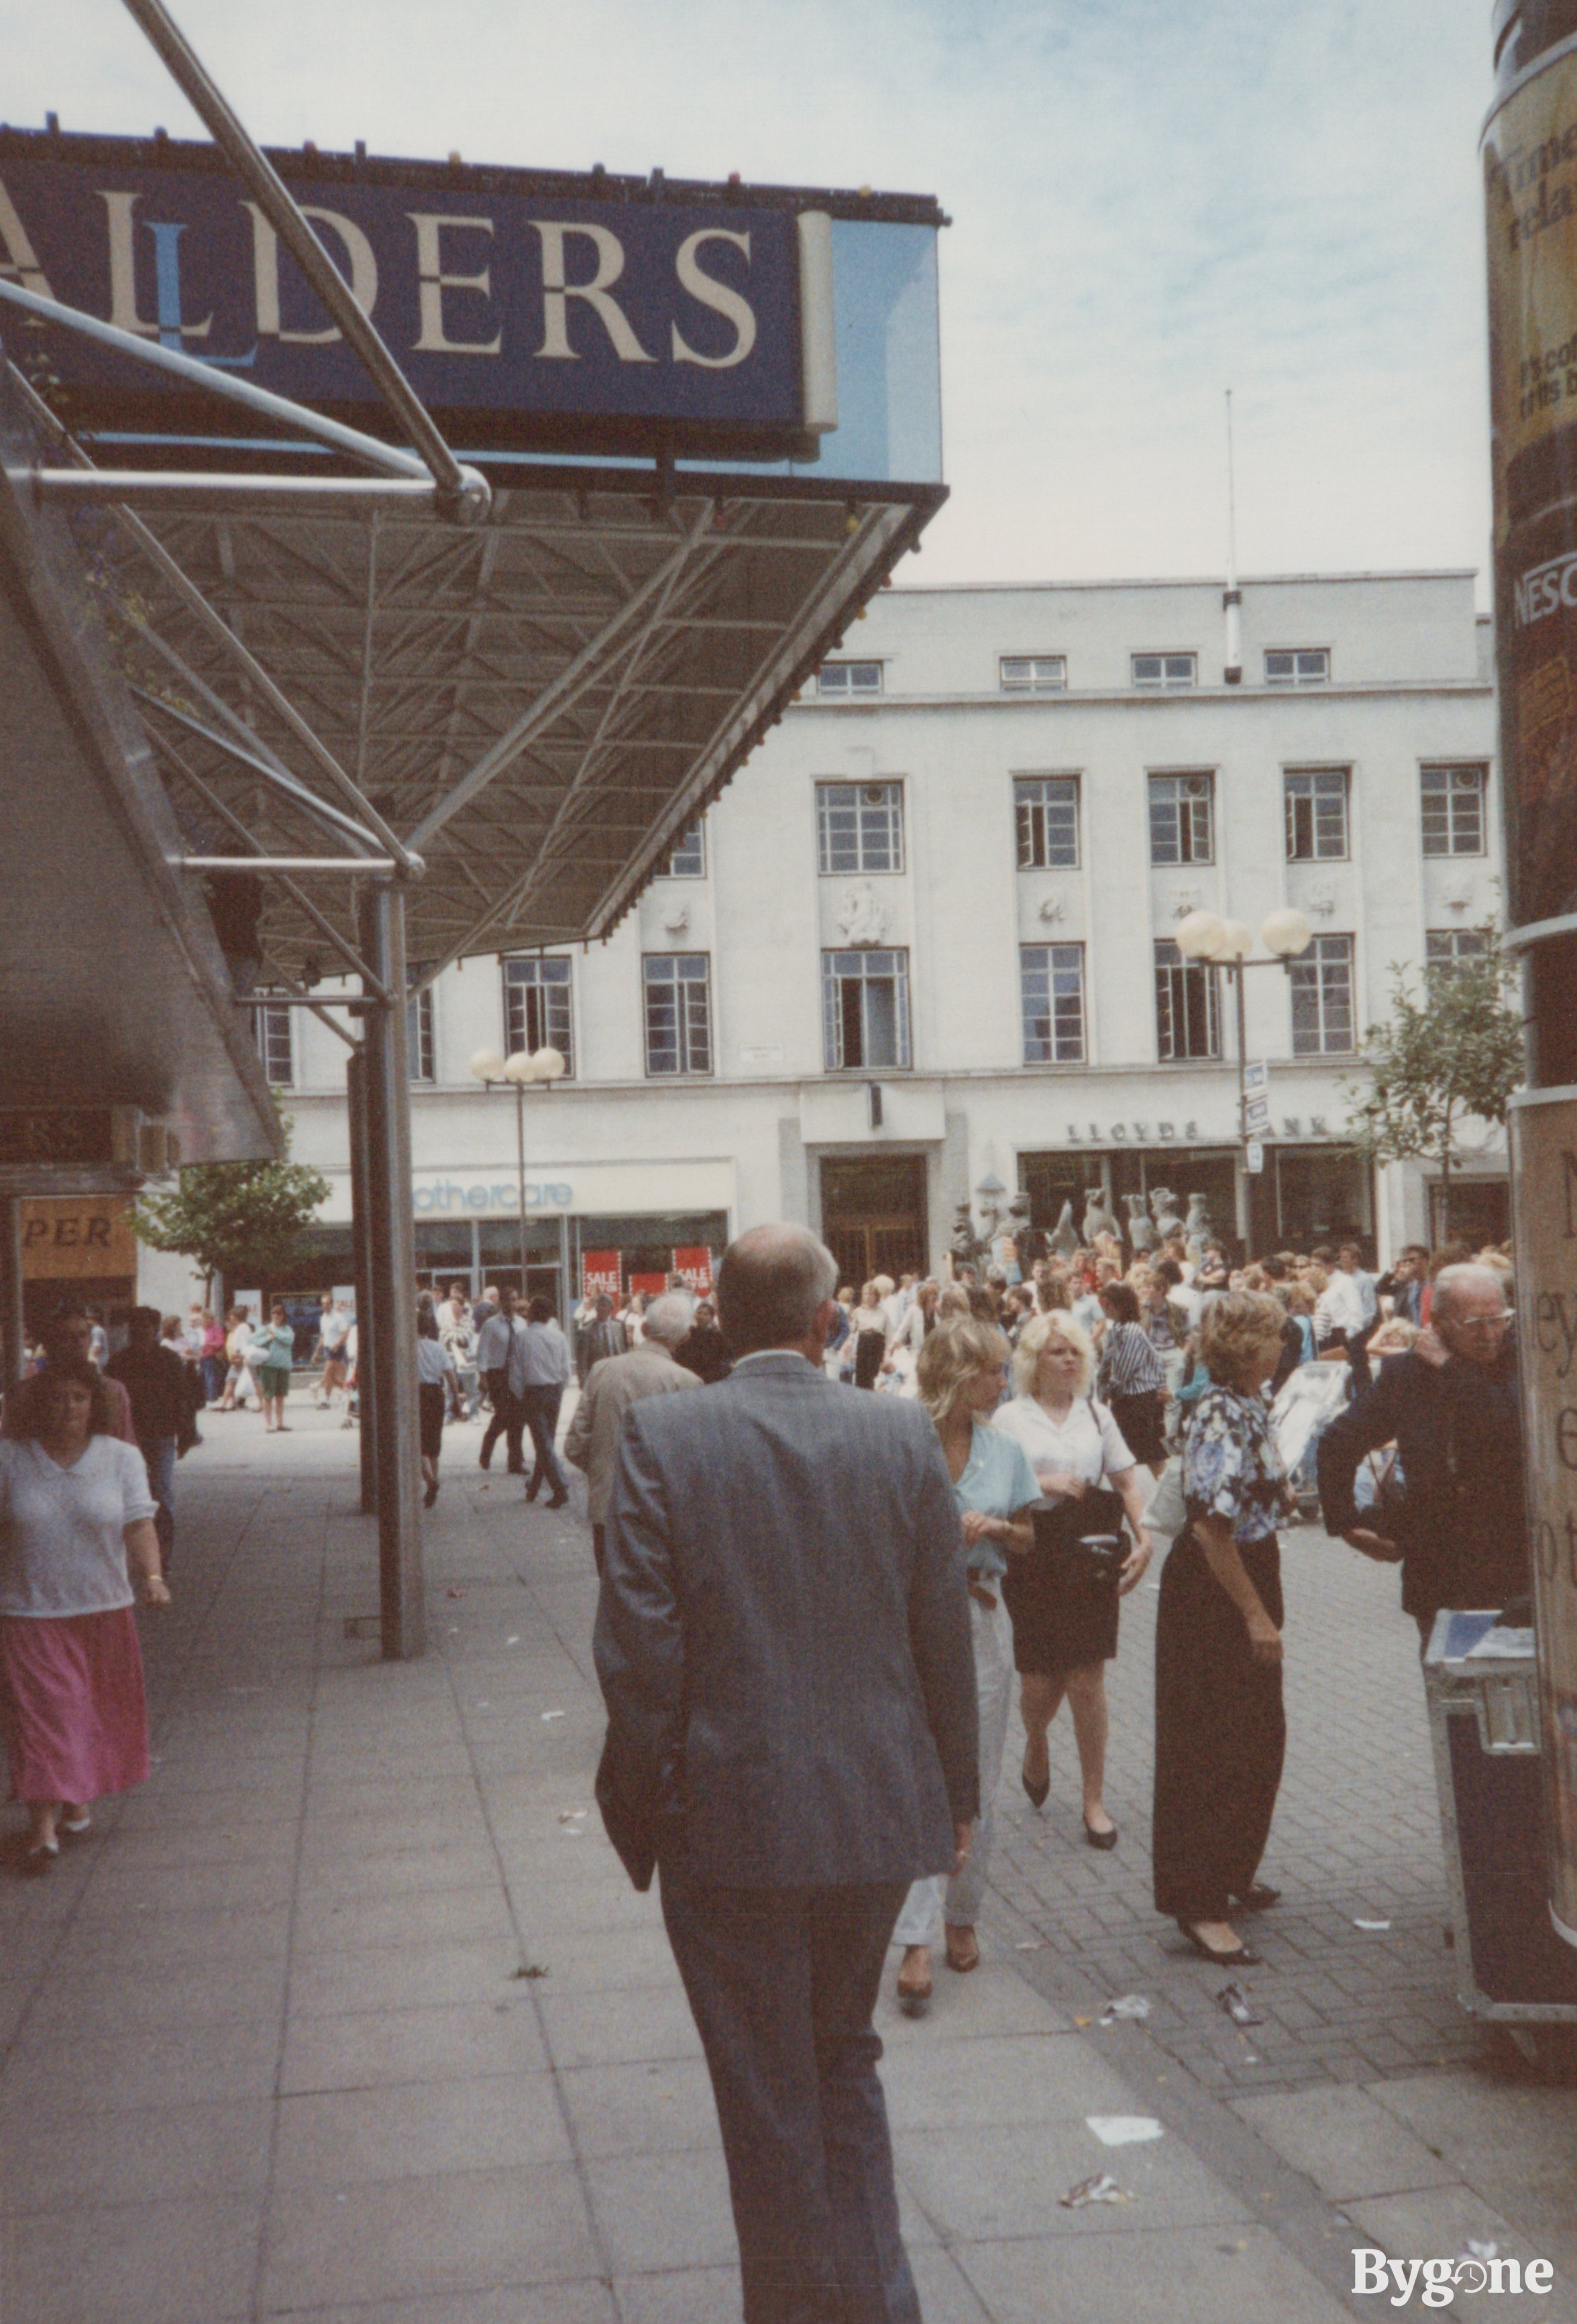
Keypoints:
pixel 495 1071
pixel 1216 943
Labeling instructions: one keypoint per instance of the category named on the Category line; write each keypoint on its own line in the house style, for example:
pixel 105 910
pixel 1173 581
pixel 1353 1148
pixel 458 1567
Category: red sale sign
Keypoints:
pixel 653 1286
pixel 695 1267
pixel 600 1271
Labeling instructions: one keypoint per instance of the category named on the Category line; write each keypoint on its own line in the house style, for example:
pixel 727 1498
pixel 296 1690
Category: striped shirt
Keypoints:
pixel 1129 1365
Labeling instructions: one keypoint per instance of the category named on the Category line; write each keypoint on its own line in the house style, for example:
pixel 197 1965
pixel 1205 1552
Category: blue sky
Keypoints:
pixel 1153 199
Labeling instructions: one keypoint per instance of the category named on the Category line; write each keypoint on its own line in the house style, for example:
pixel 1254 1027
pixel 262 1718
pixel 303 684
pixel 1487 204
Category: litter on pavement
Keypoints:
pixel 1124 2129
pixel 1371 1924
pixel 1126 2005
pixel 551 1714
pixel 1102 2189
pixel 1237 2007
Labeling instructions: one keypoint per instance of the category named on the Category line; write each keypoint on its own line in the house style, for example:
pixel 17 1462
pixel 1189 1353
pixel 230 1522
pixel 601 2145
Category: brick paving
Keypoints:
pixel 1357 1836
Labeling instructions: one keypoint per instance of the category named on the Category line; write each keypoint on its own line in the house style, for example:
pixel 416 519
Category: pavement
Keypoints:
pixel 351 2014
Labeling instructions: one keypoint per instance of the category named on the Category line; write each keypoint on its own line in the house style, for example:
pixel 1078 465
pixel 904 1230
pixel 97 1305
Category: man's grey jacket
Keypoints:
pixel 783 1636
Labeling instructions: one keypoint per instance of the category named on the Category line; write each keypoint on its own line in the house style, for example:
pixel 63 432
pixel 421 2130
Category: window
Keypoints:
pixel 1170 673
pixel 1322 998
pixel 1316 814
pixel 688 858
pixel 678 1012
pixel 1445 950
pixel 1300 666
pixel 865 1004
pixel 1046 808
pixel 859 827
pixel 419 1030
pixel 1180 819
pixel 1452 799
pixel 845 680
pixel 536 1008
pixel 1187 1006
pixel 276 1046
pixel 1051 987
pixel 1033 673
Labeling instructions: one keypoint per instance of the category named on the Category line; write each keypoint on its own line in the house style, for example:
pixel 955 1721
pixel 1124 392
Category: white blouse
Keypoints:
pixel 1087 1444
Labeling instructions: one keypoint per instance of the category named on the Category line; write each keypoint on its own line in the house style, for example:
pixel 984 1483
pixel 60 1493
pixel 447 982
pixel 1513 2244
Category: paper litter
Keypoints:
pixel 1125 2006
pixel 1237 2007
pixel 1124 2129
pixel 1371 1924
pixel 1102 2189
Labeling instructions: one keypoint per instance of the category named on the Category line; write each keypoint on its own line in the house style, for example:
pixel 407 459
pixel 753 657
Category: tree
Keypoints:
pixel 236 1219
pixel 1437 1062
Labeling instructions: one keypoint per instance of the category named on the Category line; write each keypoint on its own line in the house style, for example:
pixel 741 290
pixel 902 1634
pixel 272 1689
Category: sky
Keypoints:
pixel 1153 200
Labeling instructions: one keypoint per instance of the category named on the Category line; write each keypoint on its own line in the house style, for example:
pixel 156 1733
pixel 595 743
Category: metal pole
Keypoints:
pixel 1241 1175
pixel 12 1327
pixel 355 1090
pixel 520 1150
pixel 381 917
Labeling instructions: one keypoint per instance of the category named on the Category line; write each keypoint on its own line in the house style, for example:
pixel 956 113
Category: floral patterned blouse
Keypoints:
pixel 1231 1466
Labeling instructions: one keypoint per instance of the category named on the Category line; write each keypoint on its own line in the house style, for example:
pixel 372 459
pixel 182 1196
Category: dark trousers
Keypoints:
pixel 1220 1734
pixel 782 1982
pixel 599 1548
pixel 508 1421
pixel 539 1406
pixel 1358 1357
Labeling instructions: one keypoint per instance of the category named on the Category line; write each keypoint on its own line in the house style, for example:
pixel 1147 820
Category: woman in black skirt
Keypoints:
pixel 1221 1731
pixel 1132 1377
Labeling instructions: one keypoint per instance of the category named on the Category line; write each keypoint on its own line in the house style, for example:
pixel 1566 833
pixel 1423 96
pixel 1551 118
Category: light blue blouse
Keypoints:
pixel 998 1478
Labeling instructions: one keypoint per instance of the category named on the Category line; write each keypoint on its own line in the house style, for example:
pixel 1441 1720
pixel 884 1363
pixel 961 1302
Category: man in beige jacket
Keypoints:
pixel 611 1387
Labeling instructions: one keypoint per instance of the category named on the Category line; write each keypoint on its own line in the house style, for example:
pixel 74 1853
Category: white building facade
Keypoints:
pixel 925 943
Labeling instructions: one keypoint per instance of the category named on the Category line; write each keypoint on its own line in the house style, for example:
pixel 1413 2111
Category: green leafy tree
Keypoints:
pixel 1452 1056
pixel 236 1219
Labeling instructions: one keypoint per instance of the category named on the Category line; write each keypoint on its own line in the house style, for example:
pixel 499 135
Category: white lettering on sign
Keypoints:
pixel 449 1195
pixel 558 290
pixel 718 297
pixel 432 283
pixel 265 270
pixel 1545 588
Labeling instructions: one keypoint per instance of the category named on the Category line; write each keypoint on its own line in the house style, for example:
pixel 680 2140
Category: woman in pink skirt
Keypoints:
pixel 75 1514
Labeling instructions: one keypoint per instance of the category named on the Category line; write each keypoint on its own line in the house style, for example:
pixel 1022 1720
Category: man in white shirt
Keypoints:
pixel 494 1349
pixel 539 1373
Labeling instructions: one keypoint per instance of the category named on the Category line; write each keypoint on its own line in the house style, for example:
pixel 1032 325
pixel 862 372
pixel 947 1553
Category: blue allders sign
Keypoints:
pixel 539 319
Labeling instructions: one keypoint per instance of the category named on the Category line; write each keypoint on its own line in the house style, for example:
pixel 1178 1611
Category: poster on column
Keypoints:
pixel 601 1274
pixel 650 1287
pixel 692 1265
pixel 1544 1170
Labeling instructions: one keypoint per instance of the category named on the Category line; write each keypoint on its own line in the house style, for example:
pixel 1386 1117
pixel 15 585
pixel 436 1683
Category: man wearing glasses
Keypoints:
pixel 1450 1407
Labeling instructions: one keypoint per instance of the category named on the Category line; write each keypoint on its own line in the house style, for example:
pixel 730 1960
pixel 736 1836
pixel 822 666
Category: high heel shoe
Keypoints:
pixel 1100 1838
pixel 1240 1956
pixel 1039 1792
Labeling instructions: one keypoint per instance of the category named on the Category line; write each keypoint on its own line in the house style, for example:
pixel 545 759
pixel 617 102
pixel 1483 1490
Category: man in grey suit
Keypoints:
pixel 783 1645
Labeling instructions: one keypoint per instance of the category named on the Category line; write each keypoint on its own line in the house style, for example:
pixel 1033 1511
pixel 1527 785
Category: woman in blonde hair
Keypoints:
pixel 960 1370
pixel 1065 1633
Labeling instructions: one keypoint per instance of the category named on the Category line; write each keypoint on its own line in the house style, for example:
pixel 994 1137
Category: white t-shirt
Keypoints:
pixel 1340 1307
pixel 332 1327
pixel 62 1531
pixel 1088 1443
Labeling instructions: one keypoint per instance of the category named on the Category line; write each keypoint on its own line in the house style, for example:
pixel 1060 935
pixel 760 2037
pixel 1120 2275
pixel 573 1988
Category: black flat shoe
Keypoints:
pixel 1239 1955
pixel 1100 1838
pixel 1259 1898
pixel 559 1501
pixel 1039 1792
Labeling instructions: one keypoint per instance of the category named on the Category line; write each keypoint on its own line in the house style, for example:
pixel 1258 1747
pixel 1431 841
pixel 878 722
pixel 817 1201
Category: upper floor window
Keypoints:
pixel 1046 810
pixel 678 1012
pixel 276 1045
pixel 847 680
pixel 1322 1021
pixel 1452 802
pixel 865 1010
pixel 1181 822
pixel 536 1008
pixel 1298 666
pixel 1051 992
pixel 420 1055
pixel 1447 950
pixel 1033 673
pixel 687 856
pixel 1171 673
pixel 1316 814
pixel 1187 1006
pixel 859 827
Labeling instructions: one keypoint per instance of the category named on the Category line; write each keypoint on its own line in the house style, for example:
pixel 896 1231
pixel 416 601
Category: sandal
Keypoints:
pixel 964 1958
pixel 913 1993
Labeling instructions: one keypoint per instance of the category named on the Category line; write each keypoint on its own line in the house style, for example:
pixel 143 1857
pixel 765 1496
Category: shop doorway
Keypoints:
pixel 873 1216
pixel 1480 1212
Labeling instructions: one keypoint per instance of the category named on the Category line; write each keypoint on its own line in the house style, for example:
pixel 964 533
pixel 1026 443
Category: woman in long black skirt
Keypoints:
pixel 1221 1731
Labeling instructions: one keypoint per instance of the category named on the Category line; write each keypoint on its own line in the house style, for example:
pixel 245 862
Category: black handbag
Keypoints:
pixel 1085 1535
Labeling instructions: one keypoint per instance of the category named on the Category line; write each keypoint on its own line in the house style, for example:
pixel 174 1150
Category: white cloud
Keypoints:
pixel 1153 199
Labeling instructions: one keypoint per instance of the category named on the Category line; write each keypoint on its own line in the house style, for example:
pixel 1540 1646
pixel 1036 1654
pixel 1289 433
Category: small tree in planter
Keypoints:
pixel 234 1219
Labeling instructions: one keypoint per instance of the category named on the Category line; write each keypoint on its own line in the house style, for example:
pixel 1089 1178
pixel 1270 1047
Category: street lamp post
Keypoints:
pixel 495 1071
pixel 1206 938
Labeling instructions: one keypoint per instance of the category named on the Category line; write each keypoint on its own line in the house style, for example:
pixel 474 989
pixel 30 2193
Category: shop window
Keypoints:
pixel 1445 950
pixel 1321 999
pixel 1300 666
pixel 1033 673
pixel 866 1004
pixel 537 1012
pixel 1045 813
pixel 687 857
pixel 1316 814
pixel 678 1012
pixel 1452 804
pixel 1182 825
pixel 1051 989
pixel 276 1045
pixel 847 681
pixel 859 828
pixel 421 1057
pixel 1187 1006
pixel 1170 673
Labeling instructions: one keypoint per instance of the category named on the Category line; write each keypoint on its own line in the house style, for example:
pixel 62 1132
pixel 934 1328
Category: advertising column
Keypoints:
pixel 1530 186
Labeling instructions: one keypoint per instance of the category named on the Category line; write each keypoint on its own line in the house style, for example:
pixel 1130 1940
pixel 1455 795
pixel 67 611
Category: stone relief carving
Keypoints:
pixel 861 915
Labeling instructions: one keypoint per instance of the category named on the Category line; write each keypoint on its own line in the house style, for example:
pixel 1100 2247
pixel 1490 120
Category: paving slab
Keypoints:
pixel 1345 2141
pixel 365 2048
pixel 1440 2223
pixel 1197 2276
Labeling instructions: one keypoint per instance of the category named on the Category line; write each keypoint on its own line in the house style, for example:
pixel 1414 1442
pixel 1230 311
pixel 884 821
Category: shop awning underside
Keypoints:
pixel 534 704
